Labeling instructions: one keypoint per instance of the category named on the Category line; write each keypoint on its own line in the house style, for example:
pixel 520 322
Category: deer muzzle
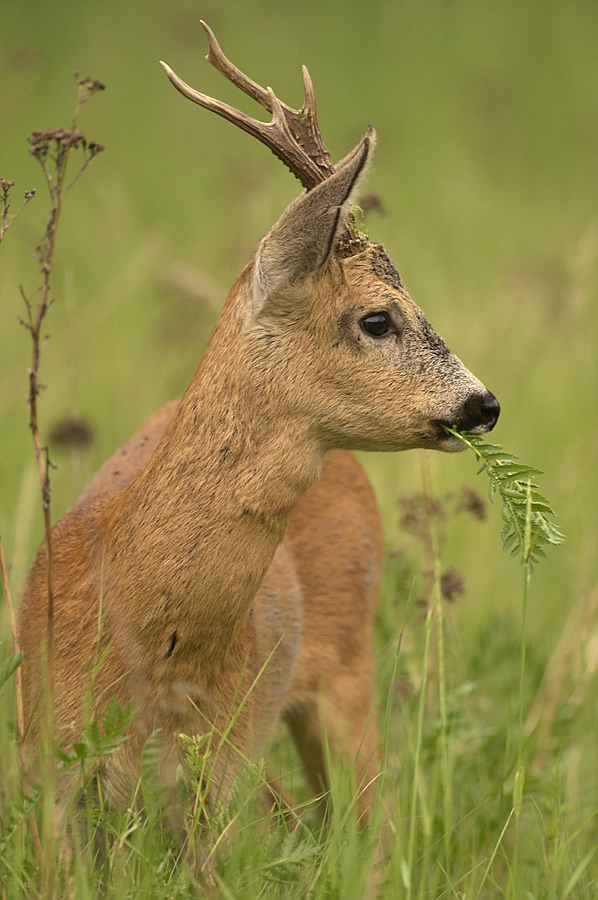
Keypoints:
pixel 478 415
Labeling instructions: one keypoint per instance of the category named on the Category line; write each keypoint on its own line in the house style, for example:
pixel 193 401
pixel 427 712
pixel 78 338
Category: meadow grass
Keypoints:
pixel 488 134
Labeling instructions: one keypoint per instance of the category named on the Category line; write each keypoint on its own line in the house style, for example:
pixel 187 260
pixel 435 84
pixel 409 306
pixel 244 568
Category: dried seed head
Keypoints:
pixel 420 511
pixel 451 585
pixel 372 203
pixel 471 502
pixel 57 139
pixel 71 431
pixel 91 85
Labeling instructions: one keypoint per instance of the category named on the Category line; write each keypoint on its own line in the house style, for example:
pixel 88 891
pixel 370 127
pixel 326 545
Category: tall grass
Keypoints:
pixel 462 808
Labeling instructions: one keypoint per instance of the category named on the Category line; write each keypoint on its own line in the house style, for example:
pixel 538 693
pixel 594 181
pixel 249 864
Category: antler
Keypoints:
pixel 293 136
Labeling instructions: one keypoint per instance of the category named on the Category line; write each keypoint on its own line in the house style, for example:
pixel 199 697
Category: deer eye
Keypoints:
pixel 377 324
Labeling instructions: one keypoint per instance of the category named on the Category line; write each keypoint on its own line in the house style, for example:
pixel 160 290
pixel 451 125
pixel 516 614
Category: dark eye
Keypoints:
pixel 377 324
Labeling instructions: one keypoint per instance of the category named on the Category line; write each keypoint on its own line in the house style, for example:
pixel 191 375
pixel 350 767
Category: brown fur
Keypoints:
pixel 327 568
pixel 229 537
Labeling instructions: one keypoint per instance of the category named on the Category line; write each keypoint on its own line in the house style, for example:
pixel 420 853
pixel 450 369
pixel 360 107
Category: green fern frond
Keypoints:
pixel 527 528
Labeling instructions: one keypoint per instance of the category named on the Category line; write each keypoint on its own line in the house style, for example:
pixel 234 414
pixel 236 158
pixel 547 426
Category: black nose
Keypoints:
pixel 490 410
pixel 480 413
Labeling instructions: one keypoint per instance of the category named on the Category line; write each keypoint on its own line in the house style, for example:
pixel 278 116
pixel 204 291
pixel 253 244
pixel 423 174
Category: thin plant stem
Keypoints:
pixel 519 780
pixel 34 325
pixel 5 222
pixel 51 148
pixel 527 547
pixel 441 668
pixel 494 852
pixel 19 697
pixel 438 613
pixel 15 649
pixel 526 581
pixel 418 746
pixel 43 464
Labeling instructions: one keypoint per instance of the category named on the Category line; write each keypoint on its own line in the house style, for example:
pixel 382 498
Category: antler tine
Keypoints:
pixel 293 136
pixel 309 95
pixel 274 134
pixel 311 139
pixel 302 125
pixel 217 58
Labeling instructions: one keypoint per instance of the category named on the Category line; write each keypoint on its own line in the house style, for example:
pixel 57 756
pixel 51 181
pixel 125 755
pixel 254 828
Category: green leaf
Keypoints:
pixel 526 513
pixel 92 735
pixel 79 751
pixel 150 774
pixel 18 816
pixel 150 756
pixel 117 719
pixel 8 668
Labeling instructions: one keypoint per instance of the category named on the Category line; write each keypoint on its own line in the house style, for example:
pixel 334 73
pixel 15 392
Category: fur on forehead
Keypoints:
pixel 384 268
pixel 374 258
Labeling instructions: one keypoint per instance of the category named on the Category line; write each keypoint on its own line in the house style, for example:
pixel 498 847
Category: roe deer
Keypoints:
pixel 234 532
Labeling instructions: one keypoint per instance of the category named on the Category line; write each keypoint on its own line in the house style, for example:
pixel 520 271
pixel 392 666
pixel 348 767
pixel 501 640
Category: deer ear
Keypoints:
pixel 303 238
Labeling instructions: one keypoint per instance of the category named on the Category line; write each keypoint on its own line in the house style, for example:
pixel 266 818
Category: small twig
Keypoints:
pixel 5 222
pixel 43 464
pixel 86 88
pixel 51 148
pixel 19 696
pixel 15 649
pixel 92 149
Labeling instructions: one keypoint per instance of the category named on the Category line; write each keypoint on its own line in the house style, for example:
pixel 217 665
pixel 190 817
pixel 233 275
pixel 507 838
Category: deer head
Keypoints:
pixel 323 318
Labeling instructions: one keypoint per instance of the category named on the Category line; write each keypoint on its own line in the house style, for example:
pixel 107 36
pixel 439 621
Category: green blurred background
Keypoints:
pixel 487 116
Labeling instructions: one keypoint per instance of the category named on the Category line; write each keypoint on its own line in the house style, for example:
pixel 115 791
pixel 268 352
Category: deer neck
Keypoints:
pixel 190 539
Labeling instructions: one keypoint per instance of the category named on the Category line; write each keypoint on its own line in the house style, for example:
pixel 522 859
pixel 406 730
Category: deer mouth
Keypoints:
pixel 478 415
pixel 447 441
